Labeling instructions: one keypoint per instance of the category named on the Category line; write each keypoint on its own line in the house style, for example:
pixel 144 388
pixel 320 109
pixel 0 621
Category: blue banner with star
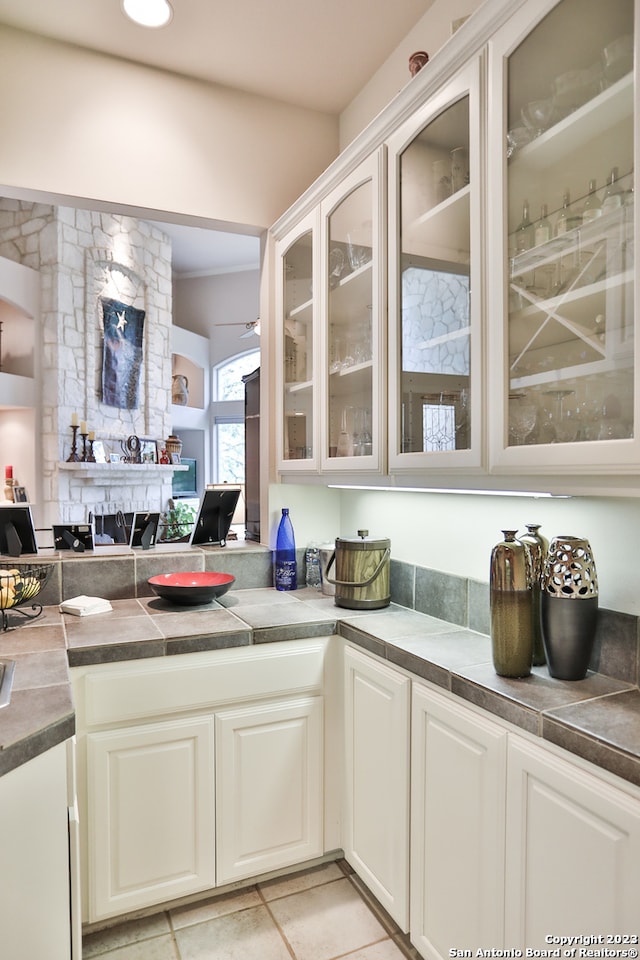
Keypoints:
pixel 123 327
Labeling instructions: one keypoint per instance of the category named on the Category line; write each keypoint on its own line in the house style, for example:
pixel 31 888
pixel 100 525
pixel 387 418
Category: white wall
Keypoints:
pixel 218 307
pixel 430 33
pixel 102 129
pixel 455 533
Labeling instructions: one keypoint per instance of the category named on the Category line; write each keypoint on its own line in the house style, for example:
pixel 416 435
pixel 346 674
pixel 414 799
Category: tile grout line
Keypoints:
pixel 265 902
pixel 390 929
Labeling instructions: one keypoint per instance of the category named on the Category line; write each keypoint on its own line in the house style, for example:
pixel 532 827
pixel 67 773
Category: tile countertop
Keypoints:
pixel 597 718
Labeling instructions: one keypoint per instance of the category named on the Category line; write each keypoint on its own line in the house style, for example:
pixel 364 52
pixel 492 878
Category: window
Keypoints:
pixel 228 416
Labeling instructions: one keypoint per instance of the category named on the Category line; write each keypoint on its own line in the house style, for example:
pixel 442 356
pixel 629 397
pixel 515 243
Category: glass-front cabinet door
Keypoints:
pixel 564 313
pixel 434 285
pixel 353 322
pixel 296 306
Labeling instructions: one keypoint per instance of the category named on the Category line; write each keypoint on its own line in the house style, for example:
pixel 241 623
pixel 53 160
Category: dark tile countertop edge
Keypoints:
pixel 597 719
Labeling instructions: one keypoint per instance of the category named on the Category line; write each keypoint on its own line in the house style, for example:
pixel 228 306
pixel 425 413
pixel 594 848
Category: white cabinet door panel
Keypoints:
pixel 376 834
pixel 573 850
pixel 151 814
pixel 34 859
pixel 457 826
pixel 269 771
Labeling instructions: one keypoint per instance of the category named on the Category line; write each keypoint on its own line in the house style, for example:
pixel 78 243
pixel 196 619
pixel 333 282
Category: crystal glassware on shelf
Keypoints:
pixel 441 180
pixel 345 437
pixel 335 360
pixel 617 58
pixel 459 168
pixel 517 137
pixel 523 415
pixel 537 116
pixel 562 419
pixel 336 266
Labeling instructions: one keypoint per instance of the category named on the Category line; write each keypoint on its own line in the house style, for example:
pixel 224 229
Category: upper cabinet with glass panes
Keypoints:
pixel 297 396
pixel 434 321
pixel 353 323
pixel 507 280
pixel 568 135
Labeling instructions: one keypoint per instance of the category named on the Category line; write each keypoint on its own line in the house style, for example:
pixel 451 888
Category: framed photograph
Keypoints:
pixel 99 451
pixel 214 517
pixel 20 495
pixel 175 458
pixel 17 533
pixel 144 530
pixel 148 450
pixel 74 536
pixel 114 458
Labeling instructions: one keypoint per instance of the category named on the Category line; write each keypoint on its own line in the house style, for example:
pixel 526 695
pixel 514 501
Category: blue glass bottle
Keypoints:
pixel 286 574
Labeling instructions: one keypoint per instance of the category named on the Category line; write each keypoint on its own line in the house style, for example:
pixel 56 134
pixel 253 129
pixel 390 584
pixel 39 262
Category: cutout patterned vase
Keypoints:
pixel 569 607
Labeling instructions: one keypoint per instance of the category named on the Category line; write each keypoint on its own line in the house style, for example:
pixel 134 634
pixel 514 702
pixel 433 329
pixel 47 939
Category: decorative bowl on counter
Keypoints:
pixel 190 588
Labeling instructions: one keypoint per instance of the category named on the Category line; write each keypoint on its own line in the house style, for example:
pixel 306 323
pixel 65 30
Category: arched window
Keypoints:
pixel 228 416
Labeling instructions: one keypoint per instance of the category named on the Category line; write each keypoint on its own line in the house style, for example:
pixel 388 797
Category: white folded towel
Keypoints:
pixel 85 606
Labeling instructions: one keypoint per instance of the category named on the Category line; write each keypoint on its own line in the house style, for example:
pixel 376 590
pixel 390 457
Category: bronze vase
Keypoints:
pixel 569 607
pixel 510 582
pixel 538 548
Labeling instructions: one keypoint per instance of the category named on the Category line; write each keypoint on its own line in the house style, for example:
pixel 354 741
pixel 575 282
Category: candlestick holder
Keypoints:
pixel 74 456
pixel 84 436
pixel 9 484
pixel 90 456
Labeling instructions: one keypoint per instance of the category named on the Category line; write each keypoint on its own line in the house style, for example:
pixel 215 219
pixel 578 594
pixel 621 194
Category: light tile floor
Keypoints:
pixel 321 913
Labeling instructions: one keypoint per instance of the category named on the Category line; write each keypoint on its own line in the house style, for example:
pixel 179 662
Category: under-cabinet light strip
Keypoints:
pixel 536 494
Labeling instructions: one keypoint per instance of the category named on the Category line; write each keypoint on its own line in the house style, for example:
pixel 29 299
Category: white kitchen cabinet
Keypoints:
pixel 34 859
pixel 353 321
pixel 572 854
pixel 562 315
pixel 150 735
pixel 270 787
pixel 435 279
pixel 297 343
pixel 330 366
pixel 513 840
pixel 512 341
pixel 458 759
pixel 151 814
pixel 376 788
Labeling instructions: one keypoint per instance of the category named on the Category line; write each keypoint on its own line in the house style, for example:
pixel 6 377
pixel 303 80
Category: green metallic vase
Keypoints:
pixel 510 583
pixel 538 548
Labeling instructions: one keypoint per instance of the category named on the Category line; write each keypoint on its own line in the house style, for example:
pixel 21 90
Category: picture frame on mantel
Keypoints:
pixel 99 451
pixel 148 450
pixel 20 495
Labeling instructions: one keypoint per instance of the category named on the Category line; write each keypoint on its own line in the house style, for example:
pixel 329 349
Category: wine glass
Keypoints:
pixel 523 415
pixel 564 422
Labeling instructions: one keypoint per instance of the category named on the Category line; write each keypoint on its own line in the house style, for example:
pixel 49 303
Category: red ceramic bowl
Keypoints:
pixel 190 588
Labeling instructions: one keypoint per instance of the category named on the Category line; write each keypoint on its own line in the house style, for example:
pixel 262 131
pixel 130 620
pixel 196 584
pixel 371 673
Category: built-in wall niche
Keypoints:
pixel 17 443
pixel 193 382
pixel 17 336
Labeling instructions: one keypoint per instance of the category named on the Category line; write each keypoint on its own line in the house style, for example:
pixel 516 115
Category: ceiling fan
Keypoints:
pixel 251 328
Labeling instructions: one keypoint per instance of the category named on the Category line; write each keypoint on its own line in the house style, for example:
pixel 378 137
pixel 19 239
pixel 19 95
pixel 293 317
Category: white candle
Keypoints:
pixel 83 426
pixel 92 435
pixel 74 419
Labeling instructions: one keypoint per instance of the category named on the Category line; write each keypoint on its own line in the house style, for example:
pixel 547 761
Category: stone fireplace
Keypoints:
pixel 82 256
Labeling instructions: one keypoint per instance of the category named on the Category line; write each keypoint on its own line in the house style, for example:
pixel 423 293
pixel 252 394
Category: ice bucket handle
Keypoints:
pixel 361 583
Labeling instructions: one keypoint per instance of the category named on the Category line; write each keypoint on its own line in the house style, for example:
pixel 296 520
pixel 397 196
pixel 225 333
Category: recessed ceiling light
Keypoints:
pixel 148 13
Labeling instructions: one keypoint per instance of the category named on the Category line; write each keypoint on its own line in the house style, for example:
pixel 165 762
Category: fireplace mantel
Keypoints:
pixel 118 471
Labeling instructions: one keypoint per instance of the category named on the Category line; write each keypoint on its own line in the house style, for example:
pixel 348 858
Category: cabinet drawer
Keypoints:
pixel 134 690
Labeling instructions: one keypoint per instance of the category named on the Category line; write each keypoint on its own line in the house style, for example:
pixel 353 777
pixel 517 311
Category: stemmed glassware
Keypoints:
pixel 523 415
